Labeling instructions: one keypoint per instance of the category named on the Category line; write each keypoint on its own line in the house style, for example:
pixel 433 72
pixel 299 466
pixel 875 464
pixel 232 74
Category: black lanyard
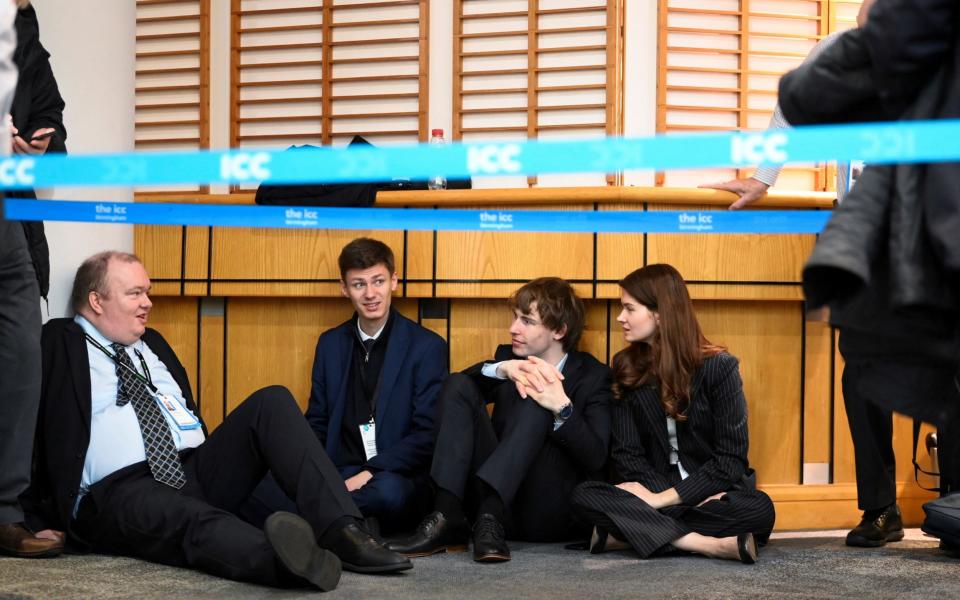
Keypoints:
pixel 147 380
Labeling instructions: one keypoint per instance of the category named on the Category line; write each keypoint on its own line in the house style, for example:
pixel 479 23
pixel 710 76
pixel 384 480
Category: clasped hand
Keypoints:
pixel 537 379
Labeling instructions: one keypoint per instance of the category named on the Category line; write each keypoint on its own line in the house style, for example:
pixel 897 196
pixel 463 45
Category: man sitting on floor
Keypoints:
pixel 549 431
pixel 124 465
pixel 375 382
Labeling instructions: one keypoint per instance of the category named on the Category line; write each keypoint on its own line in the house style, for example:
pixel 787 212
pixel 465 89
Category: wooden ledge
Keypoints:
pixel 539 196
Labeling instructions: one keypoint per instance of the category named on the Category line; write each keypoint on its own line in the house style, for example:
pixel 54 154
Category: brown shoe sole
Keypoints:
pixel 492 557
pixel 438 550
pixel 51 553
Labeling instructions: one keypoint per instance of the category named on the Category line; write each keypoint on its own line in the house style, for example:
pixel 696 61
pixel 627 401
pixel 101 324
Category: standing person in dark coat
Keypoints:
pixel 888 262
pixel 37 112
pixel 19 340
pixel 679 436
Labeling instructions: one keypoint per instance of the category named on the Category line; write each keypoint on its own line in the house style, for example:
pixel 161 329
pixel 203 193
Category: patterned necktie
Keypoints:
pixel 157 439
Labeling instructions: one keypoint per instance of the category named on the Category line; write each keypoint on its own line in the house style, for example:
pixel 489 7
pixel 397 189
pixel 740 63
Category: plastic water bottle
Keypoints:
pixel 437 182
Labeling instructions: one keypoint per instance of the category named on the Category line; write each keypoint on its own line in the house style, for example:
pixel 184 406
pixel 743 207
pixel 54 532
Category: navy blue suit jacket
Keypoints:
pixel 413 371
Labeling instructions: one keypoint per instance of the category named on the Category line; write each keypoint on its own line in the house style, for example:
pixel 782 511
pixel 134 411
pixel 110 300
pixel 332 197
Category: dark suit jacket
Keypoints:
pixel 413 371
pixel 63 424
pixel 712 442
pixel 585 436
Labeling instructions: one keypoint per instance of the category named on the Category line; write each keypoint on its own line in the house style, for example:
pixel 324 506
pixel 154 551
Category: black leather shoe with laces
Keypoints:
pixel 361 553
pixel 434 534
pixel 877 528
pixel 489 540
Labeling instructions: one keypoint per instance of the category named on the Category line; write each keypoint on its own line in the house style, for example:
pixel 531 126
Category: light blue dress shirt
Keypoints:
pixel 490 369
pixel 115 438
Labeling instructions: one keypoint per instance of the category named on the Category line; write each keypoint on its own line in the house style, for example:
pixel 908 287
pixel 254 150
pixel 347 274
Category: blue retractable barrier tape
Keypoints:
pixel 914 141
pixel 302 217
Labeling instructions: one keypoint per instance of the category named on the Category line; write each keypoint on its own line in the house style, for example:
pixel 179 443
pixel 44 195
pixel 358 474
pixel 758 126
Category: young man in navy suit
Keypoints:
pixel 375 379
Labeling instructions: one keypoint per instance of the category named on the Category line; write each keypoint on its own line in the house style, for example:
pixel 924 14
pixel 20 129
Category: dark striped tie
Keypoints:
pixel 157 438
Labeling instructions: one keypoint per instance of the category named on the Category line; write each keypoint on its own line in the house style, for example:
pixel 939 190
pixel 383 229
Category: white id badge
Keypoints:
pixel 368 432
pixel 181 416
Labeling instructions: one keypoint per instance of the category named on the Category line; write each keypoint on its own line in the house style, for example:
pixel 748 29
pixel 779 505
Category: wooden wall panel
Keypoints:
pixel 766 339
pixel 159 247
pixel 594 337
pixel 286 254
pixel 817 386
pixel 619 253
pixel 477 327
pixel 177 320
pixel 212 366
pixel 269 344
pixel 419 263
pixel 731 258
pixel 517 257
pixel 843 468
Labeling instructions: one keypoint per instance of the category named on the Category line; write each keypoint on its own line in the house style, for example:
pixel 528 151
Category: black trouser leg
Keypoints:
pixel 134 515
pixel 525 434
pixel 19 366
pixel 268 432
pixel 948 441
pixel 872 430
pixel 465 436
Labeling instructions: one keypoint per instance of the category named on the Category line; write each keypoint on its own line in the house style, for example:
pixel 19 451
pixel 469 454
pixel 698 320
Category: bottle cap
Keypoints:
pixel 436 133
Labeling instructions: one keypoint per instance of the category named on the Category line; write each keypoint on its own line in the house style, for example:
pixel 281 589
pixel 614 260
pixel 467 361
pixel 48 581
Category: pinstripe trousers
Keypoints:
pixel 649 531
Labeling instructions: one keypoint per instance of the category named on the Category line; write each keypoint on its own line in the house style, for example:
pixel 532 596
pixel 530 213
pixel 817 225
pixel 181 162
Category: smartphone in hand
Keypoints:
pixel 35 137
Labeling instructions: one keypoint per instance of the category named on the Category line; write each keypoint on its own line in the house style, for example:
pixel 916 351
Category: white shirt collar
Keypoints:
pixel 91 329
pixel 364 337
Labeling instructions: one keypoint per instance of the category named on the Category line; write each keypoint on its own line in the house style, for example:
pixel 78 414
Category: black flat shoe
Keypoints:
pixel 601 541
pixel 361 553
pixel 434 534
pixel 296 546
pixel 747 547
pixel 489 540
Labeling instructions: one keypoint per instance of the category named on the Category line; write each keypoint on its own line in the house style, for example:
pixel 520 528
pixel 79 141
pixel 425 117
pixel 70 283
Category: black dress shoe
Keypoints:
pixel 489 540
pixel 747 547
pixel 17 540
pixel 876 529
pixel 296 546
pixel 361 553
pixel 434 534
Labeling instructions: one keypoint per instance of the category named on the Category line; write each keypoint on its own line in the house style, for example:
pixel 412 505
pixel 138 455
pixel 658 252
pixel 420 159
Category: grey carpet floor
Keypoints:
pixel 793 565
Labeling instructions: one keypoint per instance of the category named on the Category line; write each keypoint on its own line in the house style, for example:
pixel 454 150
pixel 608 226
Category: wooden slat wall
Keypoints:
pixel 173 77
pixel 719 65
pixel 538 69
pixel 321 71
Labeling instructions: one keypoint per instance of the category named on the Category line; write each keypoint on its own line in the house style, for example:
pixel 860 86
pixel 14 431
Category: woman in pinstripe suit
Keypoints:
pixel 679 436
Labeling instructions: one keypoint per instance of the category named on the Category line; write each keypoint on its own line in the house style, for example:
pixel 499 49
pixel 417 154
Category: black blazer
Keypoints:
pixel 712 442
pixel 63 423
pixel 585 436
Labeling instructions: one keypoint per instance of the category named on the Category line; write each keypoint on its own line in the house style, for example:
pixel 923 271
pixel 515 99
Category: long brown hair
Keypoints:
pixel 677 349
